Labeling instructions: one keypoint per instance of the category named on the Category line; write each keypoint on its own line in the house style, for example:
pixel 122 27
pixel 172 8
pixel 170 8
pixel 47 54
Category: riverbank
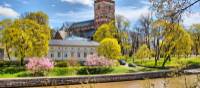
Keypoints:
pixel 57 81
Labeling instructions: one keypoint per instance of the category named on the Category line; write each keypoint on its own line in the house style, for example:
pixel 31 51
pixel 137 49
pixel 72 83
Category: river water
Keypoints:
pixel 176 82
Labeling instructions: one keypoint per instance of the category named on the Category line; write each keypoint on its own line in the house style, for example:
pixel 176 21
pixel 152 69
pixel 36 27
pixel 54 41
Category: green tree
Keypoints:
pixel 195 34
pixel 175 41
pixel 39 17
pixel 104 31
pixel 109 48
pixel 27 38
pixel 115 29
pixel 4 38
pixel 143 52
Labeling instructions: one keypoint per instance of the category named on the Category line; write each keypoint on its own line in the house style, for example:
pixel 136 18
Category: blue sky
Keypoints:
pixel 60 11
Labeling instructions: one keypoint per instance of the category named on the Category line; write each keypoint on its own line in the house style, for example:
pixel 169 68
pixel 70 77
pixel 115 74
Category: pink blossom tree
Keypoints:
pixel 95 60
pixel 39 66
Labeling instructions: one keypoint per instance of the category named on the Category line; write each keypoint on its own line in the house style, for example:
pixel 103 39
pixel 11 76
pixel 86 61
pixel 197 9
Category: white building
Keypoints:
pixel 75 47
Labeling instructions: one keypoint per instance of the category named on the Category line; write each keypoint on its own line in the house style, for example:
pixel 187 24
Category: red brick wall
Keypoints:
pixel 104 11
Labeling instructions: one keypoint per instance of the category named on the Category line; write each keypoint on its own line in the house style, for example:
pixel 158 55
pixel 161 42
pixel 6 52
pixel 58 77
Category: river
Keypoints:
pixel 176 82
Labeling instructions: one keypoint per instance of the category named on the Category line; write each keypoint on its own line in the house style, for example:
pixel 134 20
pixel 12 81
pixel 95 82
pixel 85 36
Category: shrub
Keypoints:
pixel 94 70
pixel 39 66
pixel 72 62
pixel 95 60
pixel 63 71
pixel 61 64
pixel 109 48
pixel 24 74
pixel 11 70
pixel 143 52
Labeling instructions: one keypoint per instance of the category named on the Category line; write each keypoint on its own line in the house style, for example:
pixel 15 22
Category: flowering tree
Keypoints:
pixel 39 66
pixel 95 60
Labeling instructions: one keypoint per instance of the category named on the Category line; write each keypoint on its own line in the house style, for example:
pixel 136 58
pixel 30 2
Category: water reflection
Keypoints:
pixel 177 82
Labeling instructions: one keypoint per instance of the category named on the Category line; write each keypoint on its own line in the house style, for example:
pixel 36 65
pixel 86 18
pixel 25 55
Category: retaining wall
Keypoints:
pixel 57 81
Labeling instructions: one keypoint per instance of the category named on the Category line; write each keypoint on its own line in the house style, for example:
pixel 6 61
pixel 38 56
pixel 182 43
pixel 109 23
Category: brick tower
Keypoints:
pixel 104 12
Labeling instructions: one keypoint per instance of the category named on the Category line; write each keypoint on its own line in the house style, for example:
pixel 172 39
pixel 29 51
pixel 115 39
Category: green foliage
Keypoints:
pixel 60 71
pixel 104 31
pixel 9 63
pixel 109 48
pixel 94 70
pixel 143 52
pixel 24 74
pixel 26 38
pixel 176 41
pixel 192 62
pixel 39 17
pixel 195 34
pixel 119 32
pixel 11 70
pixel 61 64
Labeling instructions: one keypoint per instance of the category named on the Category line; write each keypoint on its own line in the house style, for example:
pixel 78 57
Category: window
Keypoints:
pixel 91 53
pixel 78 54
pixel 72 54
pixel 59 54
pixel 85 54
pixel 65 54
pixel 52 55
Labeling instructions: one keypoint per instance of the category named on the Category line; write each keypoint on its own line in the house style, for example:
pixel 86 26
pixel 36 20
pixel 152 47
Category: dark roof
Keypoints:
pixel 89 33
pixel 72 43
pixel 84 23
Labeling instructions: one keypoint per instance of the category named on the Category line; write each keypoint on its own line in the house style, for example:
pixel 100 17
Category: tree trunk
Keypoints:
pixel 165 60
pixel 22 61
pixel 8 54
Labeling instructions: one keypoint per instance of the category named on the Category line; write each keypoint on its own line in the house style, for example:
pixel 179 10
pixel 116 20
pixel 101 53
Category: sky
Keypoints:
pixel 60 11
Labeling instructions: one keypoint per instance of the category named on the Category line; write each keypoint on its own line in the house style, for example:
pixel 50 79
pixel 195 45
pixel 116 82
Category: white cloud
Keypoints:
pixel 72 16
pixel 7 5
pixel 191 18
pixel 83 2
pixel 132 13
pixel 9 12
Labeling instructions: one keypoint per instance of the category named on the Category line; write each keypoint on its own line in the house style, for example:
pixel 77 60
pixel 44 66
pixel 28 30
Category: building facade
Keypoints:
pixel 104 12
pixel 71 48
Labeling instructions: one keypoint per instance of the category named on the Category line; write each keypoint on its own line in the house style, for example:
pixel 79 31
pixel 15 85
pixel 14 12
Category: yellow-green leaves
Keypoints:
pixel 176 40
pixel 110 48
pixel 143 52
pixel 39 17
pixel 104 31
pixel 26 38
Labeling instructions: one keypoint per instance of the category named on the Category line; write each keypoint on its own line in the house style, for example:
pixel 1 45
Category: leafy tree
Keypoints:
pixel 143 52
pixel 104 31
pixel 115 29
pixel 27 38
pixel 195 34
pixel 122 33
pixel 109 48
pixel 175 41
pixel 39 17
pixel 4 38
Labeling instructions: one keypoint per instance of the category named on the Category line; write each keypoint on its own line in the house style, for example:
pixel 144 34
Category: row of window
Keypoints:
pixel 59 55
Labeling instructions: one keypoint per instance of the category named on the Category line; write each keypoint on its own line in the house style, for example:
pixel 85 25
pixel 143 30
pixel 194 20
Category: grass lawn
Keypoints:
pixel 191 62
pixel 145 66
pixel 8 72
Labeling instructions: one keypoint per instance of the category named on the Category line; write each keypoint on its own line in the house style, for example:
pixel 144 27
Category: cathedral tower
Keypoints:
pixel 104 12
